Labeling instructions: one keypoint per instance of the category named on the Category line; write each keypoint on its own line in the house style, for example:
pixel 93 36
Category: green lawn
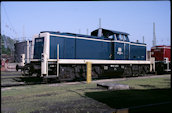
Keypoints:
pixel 148 83
pixel 48 98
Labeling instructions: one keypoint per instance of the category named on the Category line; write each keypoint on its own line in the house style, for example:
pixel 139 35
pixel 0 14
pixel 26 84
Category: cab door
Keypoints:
pixel 127 47
pixel 126 52
pixel 119 48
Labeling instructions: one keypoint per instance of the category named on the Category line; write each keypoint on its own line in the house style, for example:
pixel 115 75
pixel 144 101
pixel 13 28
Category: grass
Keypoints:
pixel 149 83
pixel 83 97
pixel 43 97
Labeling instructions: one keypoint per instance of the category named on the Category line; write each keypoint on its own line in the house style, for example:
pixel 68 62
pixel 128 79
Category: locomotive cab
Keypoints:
pixel 110 34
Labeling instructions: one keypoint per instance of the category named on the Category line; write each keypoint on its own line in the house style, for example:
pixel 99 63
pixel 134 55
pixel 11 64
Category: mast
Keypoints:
pixel 100 29
pixel 143 39
pixel 23 34
pixel 154 36
pixel 87 31
pixel 99 22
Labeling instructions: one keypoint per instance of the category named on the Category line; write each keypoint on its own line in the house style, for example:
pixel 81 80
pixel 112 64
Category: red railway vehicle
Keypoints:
pixel 162 54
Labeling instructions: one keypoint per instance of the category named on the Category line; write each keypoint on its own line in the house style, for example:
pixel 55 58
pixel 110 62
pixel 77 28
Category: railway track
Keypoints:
pixel 16 79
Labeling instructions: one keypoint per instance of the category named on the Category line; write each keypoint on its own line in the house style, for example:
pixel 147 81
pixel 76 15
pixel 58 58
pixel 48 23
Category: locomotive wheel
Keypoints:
pixel 22 71
pixel 38 75
pixel 66 73
pixel 27 71
pixel 77 72
pixel 96 71
pixel 83 72
pixel 145 70
pixel 127 71
pixel 31 70
pixel 80 72
pixel 159 68
pixel 141 71
pixel 135 70
pixel 17 66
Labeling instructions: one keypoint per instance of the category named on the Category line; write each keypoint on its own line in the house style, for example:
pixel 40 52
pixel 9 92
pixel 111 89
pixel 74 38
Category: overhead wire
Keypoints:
pixel 10 28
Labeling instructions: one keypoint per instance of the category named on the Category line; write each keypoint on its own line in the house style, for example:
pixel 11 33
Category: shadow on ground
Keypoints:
pixel 131 98
pixel 35 80
pixel 40 80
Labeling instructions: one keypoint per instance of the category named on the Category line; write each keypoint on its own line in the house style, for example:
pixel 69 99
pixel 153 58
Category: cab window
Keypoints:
pixel 117 37
pixel 125 38
pixel 111 36
pixel 120 37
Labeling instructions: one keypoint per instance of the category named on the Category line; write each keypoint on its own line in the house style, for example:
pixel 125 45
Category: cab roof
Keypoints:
pixel 107 32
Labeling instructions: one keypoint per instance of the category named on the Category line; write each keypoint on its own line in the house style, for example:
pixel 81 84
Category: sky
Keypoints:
pixel 25 19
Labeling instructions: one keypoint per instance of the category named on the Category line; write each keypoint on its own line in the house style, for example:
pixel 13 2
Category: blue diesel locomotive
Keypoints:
pixel 65 54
